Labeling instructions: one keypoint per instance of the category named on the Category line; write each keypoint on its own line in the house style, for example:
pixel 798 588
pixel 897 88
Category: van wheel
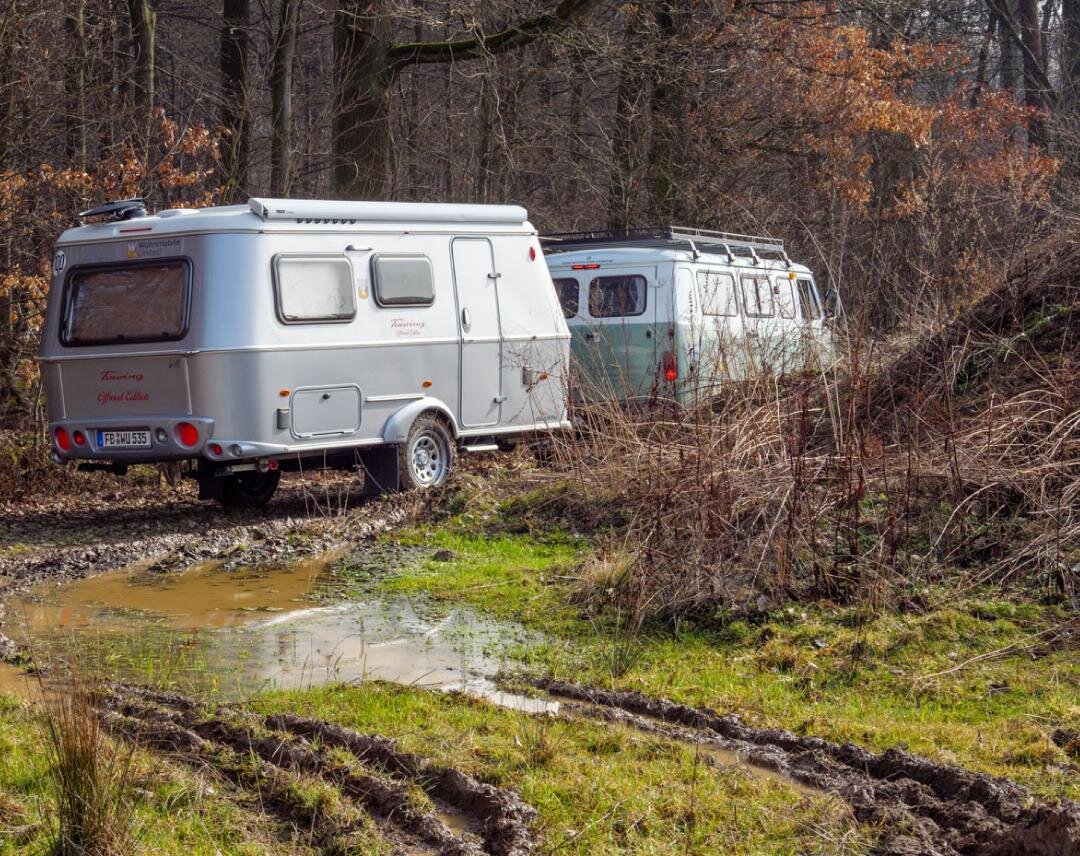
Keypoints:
pixel 249 490
pixel 426 458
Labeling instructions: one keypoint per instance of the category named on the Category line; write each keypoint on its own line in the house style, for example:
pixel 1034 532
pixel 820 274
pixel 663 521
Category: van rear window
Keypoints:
pixel 617 296
pixel 568 291
pixel 314 288
pixel 811 310
pixel 138 302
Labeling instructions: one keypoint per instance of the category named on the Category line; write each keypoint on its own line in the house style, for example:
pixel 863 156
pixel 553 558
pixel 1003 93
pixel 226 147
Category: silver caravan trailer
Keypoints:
pixel 248 338
pixel 678 313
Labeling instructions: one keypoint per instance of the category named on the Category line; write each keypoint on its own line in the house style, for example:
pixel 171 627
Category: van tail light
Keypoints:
pixel 80 438
pixel 187 434
pixel 671 367
pixel 215 449
pixel 63 440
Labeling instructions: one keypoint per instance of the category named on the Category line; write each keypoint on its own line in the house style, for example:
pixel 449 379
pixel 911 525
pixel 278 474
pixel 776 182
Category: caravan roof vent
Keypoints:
pixel 115 212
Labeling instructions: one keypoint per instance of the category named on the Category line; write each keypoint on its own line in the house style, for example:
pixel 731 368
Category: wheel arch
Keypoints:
pixel 396 428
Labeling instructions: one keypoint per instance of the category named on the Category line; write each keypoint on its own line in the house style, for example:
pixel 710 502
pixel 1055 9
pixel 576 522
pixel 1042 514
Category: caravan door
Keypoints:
pixel 476 284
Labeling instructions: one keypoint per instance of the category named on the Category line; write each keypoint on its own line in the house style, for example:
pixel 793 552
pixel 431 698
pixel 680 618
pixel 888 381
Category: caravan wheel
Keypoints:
pixel 249 490
pixel 427 456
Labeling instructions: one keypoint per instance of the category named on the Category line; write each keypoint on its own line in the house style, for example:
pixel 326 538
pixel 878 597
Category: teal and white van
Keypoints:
pixel 680 313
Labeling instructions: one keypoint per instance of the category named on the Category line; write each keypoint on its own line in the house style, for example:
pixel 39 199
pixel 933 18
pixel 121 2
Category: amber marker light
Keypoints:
pixel 426 384
pixel 284 393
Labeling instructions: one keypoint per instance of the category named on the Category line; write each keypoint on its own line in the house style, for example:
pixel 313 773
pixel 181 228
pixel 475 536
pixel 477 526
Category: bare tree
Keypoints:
pixel 367 60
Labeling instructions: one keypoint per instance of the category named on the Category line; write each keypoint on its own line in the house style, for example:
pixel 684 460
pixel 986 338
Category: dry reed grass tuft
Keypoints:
pixel 867 482
pixel 91 773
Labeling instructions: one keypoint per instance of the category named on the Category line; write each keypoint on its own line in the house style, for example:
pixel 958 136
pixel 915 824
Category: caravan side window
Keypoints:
pixel 717 293
pixel 402 280
pixel 311 288
pixel 617 296
pixel 811 309
pixel 568 291
pixel 757 296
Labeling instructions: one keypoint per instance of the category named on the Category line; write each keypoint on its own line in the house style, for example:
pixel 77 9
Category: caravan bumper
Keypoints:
pixel 153 439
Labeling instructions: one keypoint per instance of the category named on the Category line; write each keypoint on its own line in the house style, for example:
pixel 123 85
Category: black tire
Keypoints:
pixel 427 457
pixel 249 490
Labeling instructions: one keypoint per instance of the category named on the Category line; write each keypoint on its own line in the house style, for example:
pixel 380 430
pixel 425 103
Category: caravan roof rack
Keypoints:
pixel 697 241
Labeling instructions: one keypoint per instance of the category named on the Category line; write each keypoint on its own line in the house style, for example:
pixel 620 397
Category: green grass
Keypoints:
pixel 830 671
pixel 598 790
pixel 177 811
pixel 507 576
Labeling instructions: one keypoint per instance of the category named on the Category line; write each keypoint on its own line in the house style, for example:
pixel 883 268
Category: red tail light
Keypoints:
pixel 187 434
pixel 671 367
pixel 215 449
pixel 80 438
pixel 63 440
pixel 590 266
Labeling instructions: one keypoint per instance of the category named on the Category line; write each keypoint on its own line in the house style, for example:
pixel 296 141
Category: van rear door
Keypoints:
pixel 622 347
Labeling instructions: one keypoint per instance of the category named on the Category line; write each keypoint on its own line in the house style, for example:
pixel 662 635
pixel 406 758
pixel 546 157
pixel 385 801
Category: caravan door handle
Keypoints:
pixel 466 319
pixel 590 335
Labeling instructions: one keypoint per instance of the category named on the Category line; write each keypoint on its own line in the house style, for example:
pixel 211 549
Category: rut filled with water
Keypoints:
pixel 239 631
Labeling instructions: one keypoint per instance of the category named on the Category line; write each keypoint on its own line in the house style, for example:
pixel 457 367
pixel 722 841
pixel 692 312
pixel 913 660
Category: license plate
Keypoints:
pixel 123 439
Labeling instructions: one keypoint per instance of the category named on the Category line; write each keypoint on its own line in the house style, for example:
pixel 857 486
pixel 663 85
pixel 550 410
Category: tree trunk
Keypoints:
pixel 281 110
pixel 1034 96
pixel 668 114
pixel 1007 77
pixel 631 107
pixel 236 154
pixel 1070 72
pixel 142 20
pixel 361 122
pixel 75 84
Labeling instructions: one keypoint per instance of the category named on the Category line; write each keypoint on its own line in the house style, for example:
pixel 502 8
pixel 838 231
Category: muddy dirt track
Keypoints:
pixel 64 540
pixel 257 754
pixel 925 807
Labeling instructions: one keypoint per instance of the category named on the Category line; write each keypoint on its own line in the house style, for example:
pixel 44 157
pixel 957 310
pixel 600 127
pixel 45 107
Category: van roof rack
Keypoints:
pixel 697 241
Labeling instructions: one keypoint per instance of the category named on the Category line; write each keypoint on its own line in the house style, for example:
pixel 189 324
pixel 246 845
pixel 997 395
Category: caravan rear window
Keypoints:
pixel 617 296
pixel 137 302
pixel 313 288
pixel 811 309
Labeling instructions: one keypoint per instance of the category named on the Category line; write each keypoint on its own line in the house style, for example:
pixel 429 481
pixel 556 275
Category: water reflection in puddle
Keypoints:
pixel 243 630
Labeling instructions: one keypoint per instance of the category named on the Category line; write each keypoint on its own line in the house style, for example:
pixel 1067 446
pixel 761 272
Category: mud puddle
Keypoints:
pixel 242 630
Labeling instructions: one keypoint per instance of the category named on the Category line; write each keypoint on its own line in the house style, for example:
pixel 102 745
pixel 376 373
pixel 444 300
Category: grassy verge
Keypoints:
pixel 979 680
pixel 176 810
pixel 598 790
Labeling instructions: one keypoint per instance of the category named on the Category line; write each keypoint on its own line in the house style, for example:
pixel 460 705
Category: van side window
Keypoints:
pixel 402 280
pixel 757 296
pixel 568 292
pixel 717 293
pixel 785 297
pixel 617 296
pixel 311 288
pixel 808 299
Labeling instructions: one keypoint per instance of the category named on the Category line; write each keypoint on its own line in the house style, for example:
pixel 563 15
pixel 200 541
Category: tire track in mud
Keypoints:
pixel 925 807
pixel 379 781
